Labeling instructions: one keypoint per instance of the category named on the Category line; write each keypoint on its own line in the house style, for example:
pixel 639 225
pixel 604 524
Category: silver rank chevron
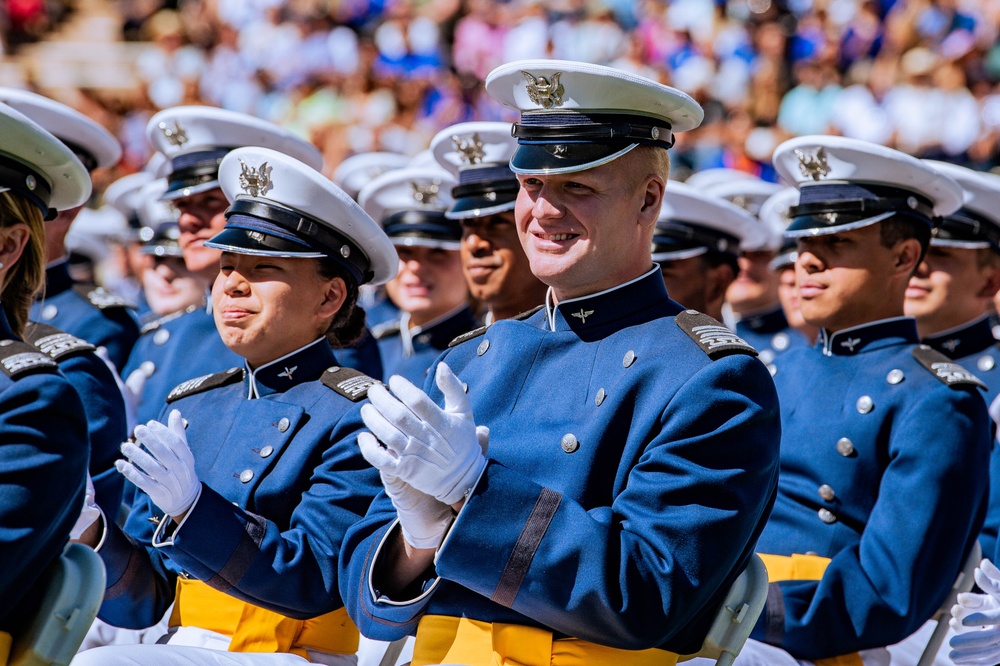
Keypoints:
pixel 189 385
pixel 712 337
pixel 952 373
pixel 812 165
pixel 255 182
pixel 544 92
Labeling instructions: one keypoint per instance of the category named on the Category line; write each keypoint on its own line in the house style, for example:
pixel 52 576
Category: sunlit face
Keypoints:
pixel 756 285
pixel 588 231
pixel 170 287
pixel 948 289
pixel 843 278
pixel 267 307
pixel 788 294
pixel 201 217
pixel 496 269
pixel 55 233
pixel 430 283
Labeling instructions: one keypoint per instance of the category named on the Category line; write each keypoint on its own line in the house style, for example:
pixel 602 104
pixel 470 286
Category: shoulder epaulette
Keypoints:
pixel 714 339
pixel 942 367
pixel 476 332
pixel 100 298
pixel 156 323
pixel 19 359
pixel 205 383
pixel 385 329
pixel 348 382
pixel 57 344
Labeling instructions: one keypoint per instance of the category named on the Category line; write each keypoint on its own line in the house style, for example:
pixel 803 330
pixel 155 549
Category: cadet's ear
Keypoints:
pixel 907 257
pixel 13 240
pixel 333 297
pixel 992 285
pixel 652 200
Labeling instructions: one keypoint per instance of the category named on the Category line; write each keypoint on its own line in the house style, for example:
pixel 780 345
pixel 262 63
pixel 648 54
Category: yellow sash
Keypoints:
pixel 442 639
pixel 805 567
pixel 255 629
pixel 5 643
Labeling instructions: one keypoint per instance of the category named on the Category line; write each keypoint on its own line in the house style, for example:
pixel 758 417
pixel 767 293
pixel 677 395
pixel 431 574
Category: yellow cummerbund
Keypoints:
pixel 255 629
pixel 442 639
pixel 5 642
pixel 805 567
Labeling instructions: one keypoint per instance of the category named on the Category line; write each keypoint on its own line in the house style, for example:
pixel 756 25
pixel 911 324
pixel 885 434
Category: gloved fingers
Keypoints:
pixel 136 381
pixel 976 640
pixel 134 474
pixel 159 442
pixel 964 653
pixel 455 399
pixel 386 432
pixel 423 411
pixel 988 579
pixel 177 425
pixel 393 411
pixel 377 455
pixel 483 437
pixel 152 467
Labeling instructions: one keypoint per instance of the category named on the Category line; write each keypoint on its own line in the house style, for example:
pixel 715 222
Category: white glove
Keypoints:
pixel 423 519
pixel 978 610
pixel 132 389
pixel 434 450
pixel 89 514
pixel 165 469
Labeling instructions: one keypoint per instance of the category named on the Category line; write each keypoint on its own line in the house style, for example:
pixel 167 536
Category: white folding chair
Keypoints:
pixel 963 583
pixel 74 589
pixel 736 616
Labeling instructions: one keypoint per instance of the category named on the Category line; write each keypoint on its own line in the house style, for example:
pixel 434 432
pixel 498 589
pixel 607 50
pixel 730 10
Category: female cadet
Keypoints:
pixel 43 428
pixel 242 502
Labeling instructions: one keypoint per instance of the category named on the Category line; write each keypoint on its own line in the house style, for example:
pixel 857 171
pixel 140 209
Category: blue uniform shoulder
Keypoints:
pixel 946 370
pixel 20 359
pixel 712 337
pixel 165 319
pixel 205 383
pixel 476 332
pixel 386 329
pixel 99 297
pixel 348 382
pixel 54 342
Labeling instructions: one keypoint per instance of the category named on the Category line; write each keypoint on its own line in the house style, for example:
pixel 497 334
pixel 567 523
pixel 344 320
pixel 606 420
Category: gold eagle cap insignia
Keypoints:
pixel 544 92
pixel 425 193
pixel 469 148
pixel 813 165
pixel 255 181
pixel 176 136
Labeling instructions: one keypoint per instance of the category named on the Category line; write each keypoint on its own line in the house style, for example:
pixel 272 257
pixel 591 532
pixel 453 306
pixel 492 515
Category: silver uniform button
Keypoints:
pixel 148 368
pixel 266 451
pixel 772 368
pixel 845 447
pixel 424 338
pixel 826 516
pixel 780 341
pixel 49 312
pixel 570 443
pixel 629 358
pixel 895 376
pixel 601 395
pixel 483 346
pixel 246 475
pixel 283 424
pixel 161 336
pixel 765 356
pixel 985 363
pixel 826 492
pixel 865 404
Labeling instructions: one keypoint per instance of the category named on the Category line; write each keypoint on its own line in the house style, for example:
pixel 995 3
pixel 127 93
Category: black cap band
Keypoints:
pixel 194 169
pixel 679 236
pixel 28 183
pixel 429 224
pixel 612 129
pixel 834 205
pixel 967 226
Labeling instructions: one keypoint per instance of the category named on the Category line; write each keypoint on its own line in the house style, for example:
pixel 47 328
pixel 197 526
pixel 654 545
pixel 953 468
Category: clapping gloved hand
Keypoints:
pixel 89 514
pixel 980 646
pixel 429 458
pixel 164 469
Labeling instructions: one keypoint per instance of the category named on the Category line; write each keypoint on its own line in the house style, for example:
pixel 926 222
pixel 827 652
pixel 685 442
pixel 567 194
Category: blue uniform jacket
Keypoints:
pixel 88 312
pixel 770 334
pixel 883 470
pixel 627 471
pixel 43 465
pixel 95 382
pixel 282 480
pixel 974 347
pixel 412 353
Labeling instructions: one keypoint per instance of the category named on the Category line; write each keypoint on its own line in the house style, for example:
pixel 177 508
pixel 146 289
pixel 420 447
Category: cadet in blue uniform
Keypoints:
pixel 229 522
pixel 697 244
pixel 176 348
pixel 43 428
pixel 632 444
pixel 84 310
pixel 496 269
pixel 884 442
pixel 429 289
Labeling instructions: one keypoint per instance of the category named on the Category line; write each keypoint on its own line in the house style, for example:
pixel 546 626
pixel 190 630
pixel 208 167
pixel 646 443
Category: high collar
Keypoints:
pixel 969 338
pixel 595 310
pixel 766 321
pixel 305 364
pixel 57 278
pixel 436 333
pixel 868 337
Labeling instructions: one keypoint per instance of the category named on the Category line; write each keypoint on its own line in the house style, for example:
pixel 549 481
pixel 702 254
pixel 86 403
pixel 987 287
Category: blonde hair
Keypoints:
pixel 647 161
pixel 27 276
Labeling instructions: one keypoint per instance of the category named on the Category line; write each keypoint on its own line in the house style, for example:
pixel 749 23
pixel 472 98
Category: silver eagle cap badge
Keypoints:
pixel 425 193
pixel 176 136
pixel 544 92
pixel 255 181
pixel 813 165
pixel 470 148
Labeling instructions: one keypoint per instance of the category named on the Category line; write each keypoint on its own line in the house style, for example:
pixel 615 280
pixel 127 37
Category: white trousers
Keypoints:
pixel 755 653
pixel 192 646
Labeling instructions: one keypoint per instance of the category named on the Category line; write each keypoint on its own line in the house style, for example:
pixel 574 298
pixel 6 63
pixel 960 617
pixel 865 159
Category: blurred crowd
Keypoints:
pixel 363 75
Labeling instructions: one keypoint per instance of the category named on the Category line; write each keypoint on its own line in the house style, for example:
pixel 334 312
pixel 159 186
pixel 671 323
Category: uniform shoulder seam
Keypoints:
pixel 711 336
pixel 205 383
pixel 946 370
pixel 348 382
